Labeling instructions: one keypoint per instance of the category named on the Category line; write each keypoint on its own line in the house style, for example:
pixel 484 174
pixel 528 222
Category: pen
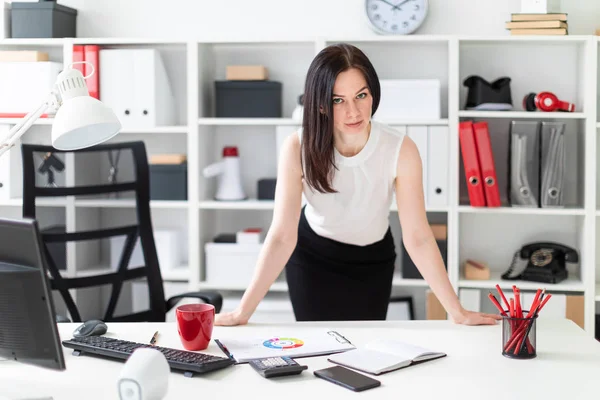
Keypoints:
pixel 154 337
pixel 224 349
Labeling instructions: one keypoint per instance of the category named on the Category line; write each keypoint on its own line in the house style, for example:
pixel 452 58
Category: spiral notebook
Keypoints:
pixel 295 345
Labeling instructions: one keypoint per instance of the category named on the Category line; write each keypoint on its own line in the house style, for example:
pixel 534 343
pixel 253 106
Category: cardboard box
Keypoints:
pixel 476 271
pixel 23 56
pixel 435 309
pixel 247 73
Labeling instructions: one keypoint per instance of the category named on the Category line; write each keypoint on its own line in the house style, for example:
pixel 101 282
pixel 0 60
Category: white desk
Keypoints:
pixel 567 366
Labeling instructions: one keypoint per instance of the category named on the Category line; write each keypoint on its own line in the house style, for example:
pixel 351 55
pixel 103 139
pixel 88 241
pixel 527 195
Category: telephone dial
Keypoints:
pixel 545 262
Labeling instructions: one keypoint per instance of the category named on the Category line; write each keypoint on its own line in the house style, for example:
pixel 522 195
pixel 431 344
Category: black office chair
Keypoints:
pixel 140 185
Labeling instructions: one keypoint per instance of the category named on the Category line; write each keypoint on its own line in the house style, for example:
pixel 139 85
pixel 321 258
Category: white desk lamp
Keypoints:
pixel 81 121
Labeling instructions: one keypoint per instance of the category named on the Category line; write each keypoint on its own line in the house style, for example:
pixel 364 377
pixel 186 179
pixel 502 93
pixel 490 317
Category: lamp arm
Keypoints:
pixel 24 124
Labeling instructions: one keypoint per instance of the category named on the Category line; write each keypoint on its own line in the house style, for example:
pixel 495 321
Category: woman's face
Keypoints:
pixel 352 102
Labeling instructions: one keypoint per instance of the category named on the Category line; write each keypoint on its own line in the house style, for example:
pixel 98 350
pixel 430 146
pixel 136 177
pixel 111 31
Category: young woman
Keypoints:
pixel 338 250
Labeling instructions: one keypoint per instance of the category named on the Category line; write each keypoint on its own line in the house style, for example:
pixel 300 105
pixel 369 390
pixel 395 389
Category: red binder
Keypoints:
pixel 471 163
pixel 486 163
pixel 93 82
pixel 78 56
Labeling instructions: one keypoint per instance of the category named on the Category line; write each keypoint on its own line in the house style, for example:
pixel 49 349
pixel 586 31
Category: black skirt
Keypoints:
pixel 334 281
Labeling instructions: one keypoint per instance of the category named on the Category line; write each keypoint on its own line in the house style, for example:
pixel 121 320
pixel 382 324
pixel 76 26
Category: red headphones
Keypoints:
pixel 546 101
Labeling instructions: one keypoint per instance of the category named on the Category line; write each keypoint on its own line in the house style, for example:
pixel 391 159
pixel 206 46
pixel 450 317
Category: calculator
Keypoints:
pixel 277 366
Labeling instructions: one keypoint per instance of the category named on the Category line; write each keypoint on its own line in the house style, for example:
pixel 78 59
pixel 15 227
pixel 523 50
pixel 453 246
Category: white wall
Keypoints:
pixel 226 19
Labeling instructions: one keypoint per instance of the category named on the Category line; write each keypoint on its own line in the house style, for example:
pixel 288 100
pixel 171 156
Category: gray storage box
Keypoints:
pixel 248 99
pixel 168 182
pixel 44 19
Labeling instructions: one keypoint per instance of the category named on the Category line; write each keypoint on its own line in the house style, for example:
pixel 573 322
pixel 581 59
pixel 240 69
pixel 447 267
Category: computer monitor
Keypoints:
pixel 28 331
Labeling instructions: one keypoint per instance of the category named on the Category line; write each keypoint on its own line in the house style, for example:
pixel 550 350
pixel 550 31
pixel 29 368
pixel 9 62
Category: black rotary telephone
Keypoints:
pixel 545 262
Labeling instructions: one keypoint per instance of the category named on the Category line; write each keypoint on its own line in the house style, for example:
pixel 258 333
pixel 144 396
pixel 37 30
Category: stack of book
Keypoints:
pixel 538 24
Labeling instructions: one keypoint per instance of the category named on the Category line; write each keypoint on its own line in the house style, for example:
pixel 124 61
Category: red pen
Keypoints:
pixel 501 293
pixel 497 304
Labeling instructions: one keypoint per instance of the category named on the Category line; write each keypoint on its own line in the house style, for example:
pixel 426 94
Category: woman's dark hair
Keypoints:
pixel 317 121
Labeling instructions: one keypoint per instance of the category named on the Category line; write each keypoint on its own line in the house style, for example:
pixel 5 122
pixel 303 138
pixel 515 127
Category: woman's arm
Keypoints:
pixel 418 238
pixel 281 238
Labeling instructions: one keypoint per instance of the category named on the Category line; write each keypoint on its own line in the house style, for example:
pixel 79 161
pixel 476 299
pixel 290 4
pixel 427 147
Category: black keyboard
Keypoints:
pixel 185 361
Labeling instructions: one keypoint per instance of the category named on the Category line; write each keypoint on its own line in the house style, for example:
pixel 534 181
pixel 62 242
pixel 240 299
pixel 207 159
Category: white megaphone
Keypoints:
pixel 230 180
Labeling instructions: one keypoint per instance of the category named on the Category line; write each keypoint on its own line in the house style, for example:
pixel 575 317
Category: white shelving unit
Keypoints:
pixel 490 234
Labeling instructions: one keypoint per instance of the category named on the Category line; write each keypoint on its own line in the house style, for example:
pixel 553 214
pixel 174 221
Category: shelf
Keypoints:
pixel 32 42
pixel 14 121
pixel 248 121
pixel 520 210
pixel 598 125
pixel 521 114
pixel 571 284
pixel 597 294
pixel 42 202
pixel 524 39
pixel 237 205
pixel 254 204
pixel 401 282
pixel 292 122
pixel 409 121
pixel 156 130
pixel 181 274
pixel 127 203
pixel 281 286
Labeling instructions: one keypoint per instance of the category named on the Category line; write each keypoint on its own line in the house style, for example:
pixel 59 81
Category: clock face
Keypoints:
pixel 398 17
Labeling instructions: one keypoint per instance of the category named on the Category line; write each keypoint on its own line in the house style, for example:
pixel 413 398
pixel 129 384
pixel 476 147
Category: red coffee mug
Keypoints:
pixel 195 325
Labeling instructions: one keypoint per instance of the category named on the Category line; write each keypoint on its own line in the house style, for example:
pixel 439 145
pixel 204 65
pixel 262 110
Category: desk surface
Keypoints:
pixel 567 366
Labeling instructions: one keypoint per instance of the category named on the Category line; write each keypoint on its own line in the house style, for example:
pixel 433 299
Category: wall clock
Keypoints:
pixel 396 17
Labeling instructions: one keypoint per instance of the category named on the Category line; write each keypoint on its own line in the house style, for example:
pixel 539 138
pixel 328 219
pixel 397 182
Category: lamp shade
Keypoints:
pixel 81 121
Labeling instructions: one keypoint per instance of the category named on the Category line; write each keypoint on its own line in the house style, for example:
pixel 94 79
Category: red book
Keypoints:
pixel 91 52
pixel 78 56
pixel 486 163
pixel 471 164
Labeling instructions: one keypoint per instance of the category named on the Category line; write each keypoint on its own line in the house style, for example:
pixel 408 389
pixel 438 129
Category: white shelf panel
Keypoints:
pixel 571 284
pixel 520 210
pixel 598 125
pixel 14 121
pixel 522 114
pixel 237 205
pixel 247 121
pixel 254 204
pixel 522 39
pixel 404 121
pixel 182 273
pixel 32 42
pixel 124 41
pixel 156 130
pixel 597 294
pixel 280 286
pixel 292 122
pixel 127 203
pixel 401 282
pixel 41 202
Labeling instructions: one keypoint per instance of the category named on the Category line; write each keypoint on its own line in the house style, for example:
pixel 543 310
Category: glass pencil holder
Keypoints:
pixel 519 337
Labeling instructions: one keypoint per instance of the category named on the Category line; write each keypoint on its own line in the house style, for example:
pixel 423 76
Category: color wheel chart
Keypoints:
pixel 283 343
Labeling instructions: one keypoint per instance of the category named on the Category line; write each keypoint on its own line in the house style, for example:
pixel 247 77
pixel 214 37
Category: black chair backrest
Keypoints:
pixel 140 186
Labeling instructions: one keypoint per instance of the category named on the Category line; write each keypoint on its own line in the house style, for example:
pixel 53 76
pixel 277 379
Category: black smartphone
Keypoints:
pixel 347 378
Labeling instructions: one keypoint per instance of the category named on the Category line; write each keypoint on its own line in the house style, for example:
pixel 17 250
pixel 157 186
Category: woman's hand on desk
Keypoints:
pixel 466 317
pixel 231 318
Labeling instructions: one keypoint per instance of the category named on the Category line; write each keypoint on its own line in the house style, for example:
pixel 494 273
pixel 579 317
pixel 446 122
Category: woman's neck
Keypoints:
pixel 350 145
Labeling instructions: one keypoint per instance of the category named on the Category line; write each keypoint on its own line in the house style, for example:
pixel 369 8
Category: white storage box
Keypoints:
pixel 409 98
pixel 26 85
pixel 540 6
pixel 231 263
pixel 167 244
